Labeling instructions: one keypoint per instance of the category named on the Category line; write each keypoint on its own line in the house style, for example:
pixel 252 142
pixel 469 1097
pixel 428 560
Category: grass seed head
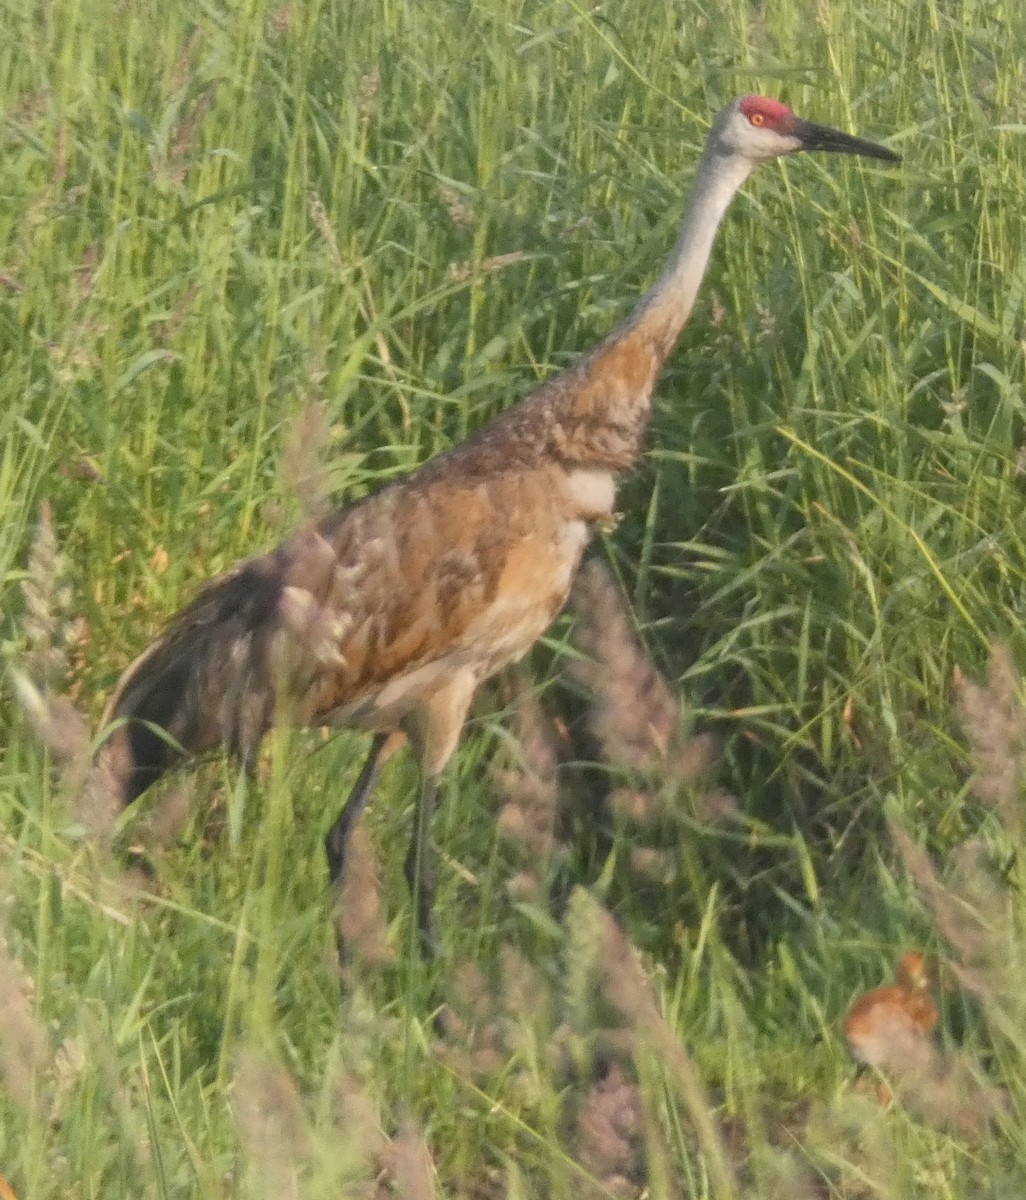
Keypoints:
pixel 529 816
pixel 634 715
pixel 271 1125
pixel 304 469
pixel 609 1132
pixel 407 1160
pixel 24 1043
pixel 360 908
pixel 994 719
pixel 45 604
pixel 319 215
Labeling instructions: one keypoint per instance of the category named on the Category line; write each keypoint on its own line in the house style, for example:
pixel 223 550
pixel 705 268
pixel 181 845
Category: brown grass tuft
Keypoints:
pixel 473 1045
pixel 289 1154
pixel 178 155
pixel 367 96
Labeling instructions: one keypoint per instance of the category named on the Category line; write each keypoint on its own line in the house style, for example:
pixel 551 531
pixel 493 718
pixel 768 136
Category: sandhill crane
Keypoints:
pixel 889 1027
pixel 387 615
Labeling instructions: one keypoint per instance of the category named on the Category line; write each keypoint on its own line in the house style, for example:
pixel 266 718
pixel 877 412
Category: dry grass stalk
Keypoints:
pixel 281 20
pixel 271 1124
pixel 462 271
pixel 596 936
pixel 523 990
pixel 486 1028
pixel 530 812
pixel 628 989
pixel 994 719
pixel 97 805
pixel 358 1116
pixel 634 715
pixel 54 719
pixel 288 1155
pixel 961 1100
pixel 184 65
pixel 974 912
pixel 304 469
pixel 176 162
pixel 367 96
pixel 122 1088
pixel 58 725
pixel 473 1017
pixel 69 1068
pixel 460 212
pixel 408 1161
pixel 24 1046
pixel 319 215
pixel 46 603
pixel 367 308
pixel 170 815
pixel 608 1133
pixel 360 920
pixel 165 331
pixel 972 933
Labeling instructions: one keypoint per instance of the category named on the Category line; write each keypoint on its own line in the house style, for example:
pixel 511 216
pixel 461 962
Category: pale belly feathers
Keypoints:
pixel 538 570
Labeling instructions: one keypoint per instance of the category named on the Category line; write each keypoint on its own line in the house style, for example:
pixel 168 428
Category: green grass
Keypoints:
pixel 216 216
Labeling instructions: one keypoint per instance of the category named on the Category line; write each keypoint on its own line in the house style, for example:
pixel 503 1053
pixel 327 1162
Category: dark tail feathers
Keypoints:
pixel 209 680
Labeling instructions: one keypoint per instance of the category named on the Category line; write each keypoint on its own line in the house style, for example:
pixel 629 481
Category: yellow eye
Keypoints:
pixel 757 118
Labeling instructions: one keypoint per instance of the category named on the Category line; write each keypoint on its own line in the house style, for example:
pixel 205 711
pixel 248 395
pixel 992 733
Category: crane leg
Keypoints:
pixel 420 866
pixel 336 842
pixel 433 730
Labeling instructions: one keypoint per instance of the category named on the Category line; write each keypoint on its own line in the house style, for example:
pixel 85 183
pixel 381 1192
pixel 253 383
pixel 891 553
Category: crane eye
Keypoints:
pixel 757 119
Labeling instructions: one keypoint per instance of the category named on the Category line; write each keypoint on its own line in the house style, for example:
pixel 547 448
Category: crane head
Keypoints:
pixel 913 972
pixel 757 128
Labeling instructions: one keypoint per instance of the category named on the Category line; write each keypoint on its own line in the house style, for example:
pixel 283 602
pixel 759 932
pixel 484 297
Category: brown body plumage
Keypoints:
pixel 388 614
pixel 888 1026
pixel 400 604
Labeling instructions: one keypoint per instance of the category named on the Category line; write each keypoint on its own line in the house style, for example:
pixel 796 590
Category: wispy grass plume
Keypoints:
pixel 636 718
pixel 994 720
pixel 25 1051
pixel 531 803
pixel 600 949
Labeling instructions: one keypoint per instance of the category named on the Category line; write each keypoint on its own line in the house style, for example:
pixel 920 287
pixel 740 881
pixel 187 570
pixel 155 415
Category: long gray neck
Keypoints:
pixel 665 307
pixel 599 410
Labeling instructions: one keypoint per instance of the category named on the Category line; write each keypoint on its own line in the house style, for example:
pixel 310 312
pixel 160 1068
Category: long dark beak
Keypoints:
pixel 822 137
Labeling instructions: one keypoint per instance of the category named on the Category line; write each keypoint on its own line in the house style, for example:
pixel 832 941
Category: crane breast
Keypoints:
pixel 460 575
pixel 591 493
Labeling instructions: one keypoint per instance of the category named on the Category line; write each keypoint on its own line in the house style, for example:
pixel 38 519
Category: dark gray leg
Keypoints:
pixel 420 865
pixel 338 835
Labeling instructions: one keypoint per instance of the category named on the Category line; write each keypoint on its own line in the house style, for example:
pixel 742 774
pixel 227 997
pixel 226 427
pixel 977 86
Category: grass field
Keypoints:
pixel 252 252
